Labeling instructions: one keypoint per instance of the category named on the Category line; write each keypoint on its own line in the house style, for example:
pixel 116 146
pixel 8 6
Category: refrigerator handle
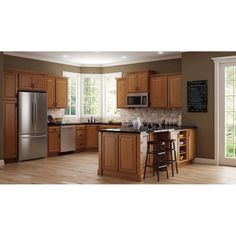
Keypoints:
pixel 35 113
pixel 32 118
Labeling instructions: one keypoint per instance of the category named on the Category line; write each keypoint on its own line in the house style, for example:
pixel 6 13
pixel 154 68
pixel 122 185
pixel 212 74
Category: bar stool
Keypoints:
pixel 159 160
pixel 169 150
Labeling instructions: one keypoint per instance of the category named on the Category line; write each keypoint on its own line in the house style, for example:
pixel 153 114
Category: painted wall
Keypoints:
pixel 199 66
pixel 1 106
pixel 166 66
pixel 50 68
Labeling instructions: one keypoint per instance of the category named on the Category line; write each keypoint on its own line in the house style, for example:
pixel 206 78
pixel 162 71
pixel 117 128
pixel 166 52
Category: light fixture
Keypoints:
pixel 160 52
pixel 124 57
pixel 65 56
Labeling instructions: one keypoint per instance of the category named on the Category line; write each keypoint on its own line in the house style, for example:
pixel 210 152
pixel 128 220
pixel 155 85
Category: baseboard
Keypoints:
pixel 1 162
pixel 205 161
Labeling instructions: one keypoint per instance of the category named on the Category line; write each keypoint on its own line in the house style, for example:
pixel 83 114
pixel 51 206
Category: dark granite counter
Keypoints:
pixel 82 123
pixel 146 129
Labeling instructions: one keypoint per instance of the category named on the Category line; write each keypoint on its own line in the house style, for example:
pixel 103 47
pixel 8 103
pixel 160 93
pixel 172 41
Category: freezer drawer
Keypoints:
pixel 68 138
pixel 32 147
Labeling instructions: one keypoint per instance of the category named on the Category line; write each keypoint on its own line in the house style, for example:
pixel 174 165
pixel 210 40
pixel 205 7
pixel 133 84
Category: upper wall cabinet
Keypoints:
pixel 31 81
pixel 121 88
pixel 10 85
pixel 138 82
pixel 57 89
pixel 166 91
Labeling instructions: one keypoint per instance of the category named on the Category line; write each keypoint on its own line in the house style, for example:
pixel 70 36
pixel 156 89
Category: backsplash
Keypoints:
pixel 146 114
pixel 151 114
pixel 56 113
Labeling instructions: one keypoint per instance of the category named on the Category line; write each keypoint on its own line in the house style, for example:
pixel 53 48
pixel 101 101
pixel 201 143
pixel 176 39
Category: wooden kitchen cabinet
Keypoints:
pixel 92 136
pixel 158 92
pixel 128 153
pixel 121 91
pixel 174 91
pixel 138 82
pixel 10 85
pixel 110 151
pixel 32 82
pixel 57 89
pixel 80 138
pixel 166 91
pixel 10 131
pixel 191 144
pixel 53 140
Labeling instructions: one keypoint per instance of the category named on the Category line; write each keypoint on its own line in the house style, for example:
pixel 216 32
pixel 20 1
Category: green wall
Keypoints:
pixel 199 66
pixel 166 66
pixel 1 105
pixel 50 68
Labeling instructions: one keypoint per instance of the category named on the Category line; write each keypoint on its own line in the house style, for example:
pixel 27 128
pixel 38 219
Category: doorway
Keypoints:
pixel 227 113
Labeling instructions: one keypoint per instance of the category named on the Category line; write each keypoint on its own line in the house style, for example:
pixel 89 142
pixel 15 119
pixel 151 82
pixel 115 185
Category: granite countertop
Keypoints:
pixel 82 123
pixel 146 129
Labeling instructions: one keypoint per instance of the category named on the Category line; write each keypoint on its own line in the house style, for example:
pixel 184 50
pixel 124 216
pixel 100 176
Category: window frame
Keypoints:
pixel 80 93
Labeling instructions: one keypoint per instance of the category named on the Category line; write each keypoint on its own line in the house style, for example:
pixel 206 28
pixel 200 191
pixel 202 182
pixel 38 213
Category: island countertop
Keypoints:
pixel 146 129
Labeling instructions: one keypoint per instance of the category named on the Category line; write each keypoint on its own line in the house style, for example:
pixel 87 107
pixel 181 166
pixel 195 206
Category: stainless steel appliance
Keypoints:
pixel 137 100
pixel 67 138
pixel 32 125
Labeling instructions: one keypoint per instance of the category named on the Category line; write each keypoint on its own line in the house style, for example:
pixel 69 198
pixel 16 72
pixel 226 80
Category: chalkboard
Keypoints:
pixel 197 95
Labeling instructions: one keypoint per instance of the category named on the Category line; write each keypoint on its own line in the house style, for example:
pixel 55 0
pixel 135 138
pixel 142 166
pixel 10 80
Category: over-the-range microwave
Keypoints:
pixel 137 100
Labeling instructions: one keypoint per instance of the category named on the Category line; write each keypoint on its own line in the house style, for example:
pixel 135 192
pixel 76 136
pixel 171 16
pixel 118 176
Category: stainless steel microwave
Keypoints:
pixel 137 100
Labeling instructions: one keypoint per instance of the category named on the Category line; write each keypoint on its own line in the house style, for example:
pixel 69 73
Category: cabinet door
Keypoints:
pixel 53 142
pixel 128 153
pixel 132 83
pixel 92 136
pixel 121 93
pixel 25 81
pixel 174 91
pixel 110 151
pixel 10 130
pixel 61 93
pixel 10 85
pixel 51 92
pixel 158 92
pixel 191 144
pixel 143 82
pixel 39 82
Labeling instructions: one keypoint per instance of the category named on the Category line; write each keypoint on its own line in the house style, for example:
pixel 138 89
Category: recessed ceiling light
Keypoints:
pixel 160 52
pixel 124 57
pixel 65 56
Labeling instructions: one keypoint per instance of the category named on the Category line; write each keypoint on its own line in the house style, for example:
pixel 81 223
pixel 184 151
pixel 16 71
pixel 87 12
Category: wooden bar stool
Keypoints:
pixel 169 150
pixel 159 160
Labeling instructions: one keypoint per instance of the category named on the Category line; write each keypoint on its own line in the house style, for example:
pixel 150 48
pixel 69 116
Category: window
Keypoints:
pixel 73 80
pixel 92 94
pixel 110 93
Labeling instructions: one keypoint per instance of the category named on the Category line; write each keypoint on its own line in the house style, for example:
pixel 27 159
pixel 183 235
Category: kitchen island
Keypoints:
pixel 122 151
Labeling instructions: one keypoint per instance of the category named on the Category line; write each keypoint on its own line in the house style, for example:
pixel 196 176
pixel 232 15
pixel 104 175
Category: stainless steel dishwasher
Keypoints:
pixel 67 138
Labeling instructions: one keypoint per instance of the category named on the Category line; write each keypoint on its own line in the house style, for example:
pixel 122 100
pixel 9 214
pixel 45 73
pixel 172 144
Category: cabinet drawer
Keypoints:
pixel 80 127
pixel 54 129
pixel 80 143
pixel 80 135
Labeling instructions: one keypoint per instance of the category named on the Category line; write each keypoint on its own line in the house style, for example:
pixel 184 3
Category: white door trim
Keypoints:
pixel 1 162
pixel 218 61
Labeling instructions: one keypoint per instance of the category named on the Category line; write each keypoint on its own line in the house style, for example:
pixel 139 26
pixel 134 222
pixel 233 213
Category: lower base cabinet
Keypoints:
pixel 53 140
pixel 122 154
pixel 10 131
pixel 128 153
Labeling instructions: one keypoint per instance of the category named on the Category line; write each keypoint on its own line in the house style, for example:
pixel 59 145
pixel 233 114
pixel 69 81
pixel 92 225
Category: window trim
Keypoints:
pixel 80 93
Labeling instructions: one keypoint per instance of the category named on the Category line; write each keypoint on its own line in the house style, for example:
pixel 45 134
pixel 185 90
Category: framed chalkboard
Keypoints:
pixel 197 95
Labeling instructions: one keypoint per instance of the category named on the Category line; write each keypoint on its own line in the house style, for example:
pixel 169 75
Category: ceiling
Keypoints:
pixel 97 58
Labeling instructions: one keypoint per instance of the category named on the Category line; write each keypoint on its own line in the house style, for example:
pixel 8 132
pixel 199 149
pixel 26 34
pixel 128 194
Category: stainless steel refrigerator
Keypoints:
pixel 32 125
